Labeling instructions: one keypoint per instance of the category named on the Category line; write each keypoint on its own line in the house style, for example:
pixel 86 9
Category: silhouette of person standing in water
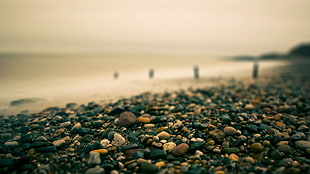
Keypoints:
pixel 196 72
pixel 151 74
pixel 116 75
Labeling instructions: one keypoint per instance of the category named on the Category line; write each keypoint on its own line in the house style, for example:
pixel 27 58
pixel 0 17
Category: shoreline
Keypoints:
pixel 122 88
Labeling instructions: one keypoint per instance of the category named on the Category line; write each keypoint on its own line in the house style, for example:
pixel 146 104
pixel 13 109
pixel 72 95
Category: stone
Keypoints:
pixel 218 135
pixel 157 154
pixel 180 149
pixel 169 146
pixel 59 143
pixel 303 144
pixel 101 151
pixel 126 119
pixel 11 144
pixel 231 150
pixel 118 140
pixel 285 148
pixel 234 157
pixel 277 155
pixel 257 147
pixel 94 158
pixel 160 164
pixel 163 135
pixel 144 120
pixel 230 131
pixel 95 170
pixel 146 167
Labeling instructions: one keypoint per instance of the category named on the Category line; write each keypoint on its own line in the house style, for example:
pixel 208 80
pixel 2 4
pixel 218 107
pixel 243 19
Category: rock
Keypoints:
pixel 126 119
pixel 95 170
pixel 146 167
pixel 257 147
pixel 101 151
pixel 143 119
pixel 180 149
pixel 11 144
pixel 59 143
pixel 118 140
pixel 94 158
pixel 285 148
pixel 218 135
pixel 163 135
pixel 169 146
pixel 234 157
pixel 231 150
pixel 303 144
pixel 277 155
pixel 230 131
pixel 157 154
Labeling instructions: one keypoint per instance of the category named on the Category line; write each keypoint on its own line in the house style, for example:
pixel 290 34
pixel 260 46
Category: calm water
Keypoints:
pixel 73 78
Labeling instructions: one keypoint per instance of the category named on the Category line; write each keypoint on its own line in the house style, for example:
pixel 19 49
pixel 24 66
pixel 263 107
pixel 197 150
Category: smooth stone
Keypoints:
pixel 144 120
pixel 163 135
pixel 87 138
pixel 126 119
pixel 180 149
pixel 234 157
pixel 285 148
pixel 303 144
pixel 146 167
pixel 231 150
pixel 101 151
pixel 157 154
pixel 257 147
pixel 94 158
pixel 149 125
pixel 95 170
pixel 252 128
pixel 277 155
pixel 169 146
pixel 118 140
pixel 11 144
pixel 59 143
pixel 41 138
pixel 230 131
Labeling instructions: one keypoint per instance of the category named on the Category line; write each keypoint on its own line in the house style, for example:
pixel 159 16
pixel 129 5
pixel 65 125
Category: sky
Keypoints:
pixel 221 27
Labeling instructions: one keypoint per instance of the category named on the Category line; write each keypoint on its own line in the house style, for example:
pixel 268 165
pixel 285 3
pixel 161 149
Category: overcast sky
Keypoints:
pixel 220 27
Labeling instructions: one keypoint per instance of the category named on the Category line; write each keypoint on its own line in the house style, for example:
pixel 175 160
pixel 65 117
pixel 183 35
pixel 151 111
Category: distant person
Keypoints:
pixel 151 74
pixel 255 70
pixel 116 75
pixel 196 72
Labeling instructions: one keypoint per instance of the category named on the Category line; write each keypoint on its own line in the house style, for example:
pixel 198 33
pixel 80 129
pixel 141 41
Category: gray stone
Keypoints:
pixel 303 144
pixel 94 158
pixel 118 140
pixel 95 170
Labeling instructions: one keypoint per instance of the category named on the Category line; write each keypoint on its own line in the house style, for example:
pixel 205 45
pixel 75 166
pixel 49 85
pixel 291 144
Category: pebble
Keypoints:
pixel 180 149
pixel 118 140
pixel 303 144
pixel 230 131
pixel 257 147
pixel 217 135
pixel 126 119
pixel 95 170
pixel 94 158
pixel 169 146
pixel 163 135
pixel 146 167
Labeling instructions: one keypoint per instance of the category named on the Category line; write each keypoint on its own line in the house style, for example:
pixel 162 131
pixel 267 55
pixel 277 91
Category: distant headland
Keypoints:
pixel 301 50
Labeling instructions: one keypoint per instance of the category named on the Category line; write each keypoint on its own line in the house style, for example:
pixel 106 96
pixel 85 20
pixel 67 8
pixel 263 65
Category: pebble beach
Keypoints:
pixel 255 126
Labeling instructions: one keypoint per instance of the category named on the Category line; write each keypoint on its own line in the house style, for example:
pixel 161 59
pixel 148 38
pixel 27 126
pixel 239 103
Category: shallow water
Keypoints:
pixel 61 79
